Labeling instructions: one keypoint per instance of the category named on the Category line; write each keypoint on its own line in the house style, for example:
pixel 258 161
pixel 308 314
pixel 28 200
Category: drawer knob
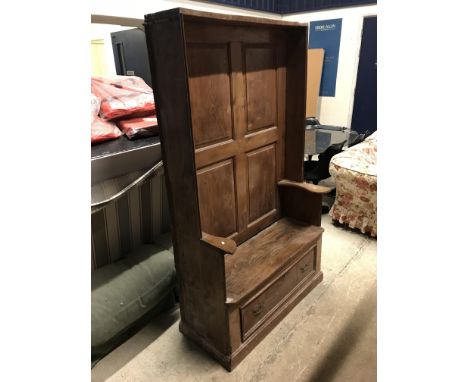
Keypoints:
pixel 304 267
pixel 257 309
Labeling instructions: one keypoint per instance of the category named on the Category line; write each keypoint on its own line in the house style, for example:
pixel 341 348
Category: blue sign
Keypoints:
pixel 326 34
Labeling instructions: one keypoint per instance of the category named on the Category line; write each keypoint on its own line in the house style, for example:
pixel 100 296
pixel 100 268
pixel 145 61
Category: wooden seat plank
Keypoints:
pixel 265 254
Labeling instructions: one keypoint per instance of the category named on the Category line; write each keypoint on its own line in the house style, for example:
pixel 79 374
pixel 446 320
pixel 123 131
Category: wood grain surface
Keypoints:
pixel 231 94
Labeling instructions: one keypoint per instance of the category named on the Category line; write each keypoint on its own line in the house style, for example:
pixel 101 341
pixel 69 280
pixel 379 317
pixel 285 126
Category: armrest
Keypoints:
pixel 305 186
pixel 302 201
pixel 221 244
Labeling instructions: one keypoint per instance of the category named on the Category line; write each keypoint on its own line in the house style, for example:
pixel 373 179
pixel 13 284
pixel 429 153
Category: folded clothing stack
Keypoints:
pixel 126 101
pixel 139 127
pixel 101 130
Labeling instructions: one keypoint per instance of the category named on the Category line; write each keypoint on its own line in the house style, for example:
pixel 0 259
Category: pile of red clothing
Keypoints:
pixel 123 101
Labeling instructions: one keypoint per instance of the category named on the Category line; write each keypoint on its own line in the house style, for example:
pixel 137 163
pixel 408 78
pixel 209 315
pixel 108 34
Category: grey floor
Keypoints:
pixel 329 336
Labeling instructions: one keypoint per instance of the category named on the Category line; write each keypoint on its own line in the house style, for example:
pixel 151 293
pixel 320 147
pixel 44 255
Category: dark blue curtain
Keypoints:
pixel 292 6
pixel 259 5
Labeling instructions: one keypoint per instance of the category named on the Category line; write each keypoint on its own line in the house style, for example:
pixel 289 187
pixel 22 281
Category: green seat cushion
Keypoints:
pixel 123 292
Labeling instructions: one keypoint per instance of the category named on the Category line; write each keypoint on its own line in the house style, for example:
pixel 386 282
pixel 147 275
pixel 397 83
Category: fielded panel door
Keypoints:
pixel 237 99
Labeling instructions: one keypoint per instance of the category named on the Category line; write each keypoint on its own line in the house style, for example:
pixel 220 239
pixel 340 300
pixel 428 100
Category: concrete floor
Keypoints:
pixel 329 336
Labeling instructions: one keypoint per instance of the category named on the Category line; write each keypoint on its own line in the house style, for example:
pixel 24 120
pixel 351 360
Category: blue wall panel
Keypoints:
pixel 326 34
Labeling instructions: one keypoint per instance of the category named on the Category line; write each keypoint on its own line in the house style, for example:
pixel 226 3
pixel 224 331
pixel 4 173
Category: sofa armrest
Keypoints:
pixel 302 201
pixel 220 244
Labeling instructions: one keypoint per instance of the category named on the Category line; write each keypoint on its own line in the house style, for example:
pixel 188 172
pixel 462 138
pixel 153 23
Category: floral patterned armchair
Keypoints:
pixel 355 174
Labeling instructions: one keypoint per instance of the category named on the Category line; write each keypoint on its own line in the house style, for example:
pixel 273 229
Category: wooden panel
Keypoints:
pixel 210 92
pixel 220 19
pixel 260 77
pixel 314 76
pixel 302 203
pixel 231 105
pixel 274 319
pixel 262 181
pixel 281 93
pixel 219 33
pixel 258 259
pixel 216 198
pixel 256 311
pixel 295 106
pixel 202 292
pixel 260 138
pixel 207 155
pixel 255 227
pixel 240 126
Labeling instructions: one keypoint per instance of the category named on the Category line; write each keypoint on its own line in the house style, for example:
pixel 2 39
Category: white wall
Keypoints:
pixel 338 110
pixel 103 32
pixel 139 8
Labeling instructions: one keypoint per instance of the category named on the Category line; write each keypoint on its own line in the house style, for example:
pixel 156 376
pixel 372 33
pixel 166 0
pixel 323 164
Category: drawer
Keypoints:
pixel 261 307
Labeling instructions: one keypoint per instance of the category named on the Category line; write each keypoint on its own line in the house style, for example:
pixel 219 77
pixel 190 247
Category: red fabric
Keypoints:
pixel 123 96
pixel 139 127
pixel 95 106
pixel 102 130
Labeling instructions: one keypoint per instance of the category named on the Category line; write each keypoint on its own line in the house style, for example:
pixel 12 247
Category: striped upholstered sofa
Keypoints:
pixel 132 263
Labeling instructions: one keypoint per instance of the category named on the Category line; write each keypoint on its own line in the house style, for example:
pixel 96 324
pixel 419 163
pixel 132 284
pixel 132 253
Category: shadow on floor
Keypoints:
pixel 120 356
pixel 198 356
pixel 346 342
